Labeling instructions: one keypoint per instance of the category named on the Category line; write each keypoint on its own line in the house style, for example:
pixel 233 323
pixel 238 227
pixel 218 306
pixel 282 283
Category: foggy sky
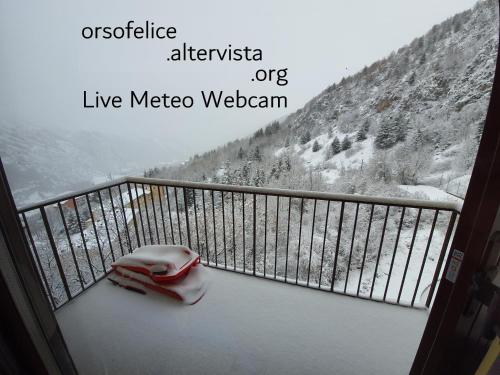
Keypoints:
pixel 46 64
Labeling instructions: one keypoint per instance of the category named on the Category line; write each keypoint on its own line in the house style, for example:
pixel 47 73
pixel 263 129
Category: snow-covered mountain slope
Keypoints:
pixel 412 118
pixel 41 163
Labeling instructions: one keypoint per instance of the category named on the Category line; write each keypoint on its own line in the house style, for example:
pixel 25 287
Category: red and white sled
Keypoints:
pixel 174 271
pixel 162 263
pixel 189 289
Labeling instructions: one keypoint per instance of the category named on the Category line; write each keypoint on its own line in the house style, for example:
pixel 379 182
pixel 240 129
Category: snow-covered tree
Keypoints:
pixel 256 155
pixel 346 143
pixel 241 153
pixel 335 146
pixel 306 137
pixel 362 133
pixel 316 147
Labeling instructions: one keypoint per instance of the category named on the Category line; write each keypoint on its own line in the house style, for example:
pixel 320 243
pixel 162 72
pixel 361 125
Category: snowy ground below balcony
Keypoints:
pixel 243 325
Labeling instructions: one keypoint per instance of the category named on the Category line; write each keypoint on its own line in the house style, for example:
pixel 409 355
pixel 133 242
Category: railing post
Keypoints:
pixel 125 221
pixel 337 245
pixel 254 231
pixel 54 251
pixel 187 217
pixel 446 241
pixel 133 215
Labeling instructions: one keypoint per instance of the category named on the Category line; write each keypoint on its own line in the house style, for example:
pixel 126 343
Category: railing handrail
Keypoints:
pixel 348 198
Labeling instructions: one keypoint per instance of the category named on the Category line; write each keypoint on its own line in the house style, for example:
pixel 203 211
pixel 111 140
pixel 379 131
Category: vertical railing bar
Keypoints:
pixel 84 241
pixel 70 243
pixel 95 233
pixel 170 215
pixel 311 244
pixel 394 252
pixel 136 226
pixel 176 200
pixel 276 235
pixel 205 225
pixel 125 222
pixel 140 211
pixel 116 221
pixel 186 213
pixel 366 248
pixel 254 233
pixel 337 245
pixel 234 232
pixel 409 253
pixel 439 264
pixel 224 228
pixel 196 222
pixel 244 231
pixel 265 234
pixel 154 209
pixel 379 249
pixel 300 240
pixel 54 252
pixel 37 258
pixel 352 247
pixel 287 237
pixel 160 203
pixel 147 212
pixel 214 228
pixel 177 214
pixel 106 224
pixel 434 220
pixel 324 242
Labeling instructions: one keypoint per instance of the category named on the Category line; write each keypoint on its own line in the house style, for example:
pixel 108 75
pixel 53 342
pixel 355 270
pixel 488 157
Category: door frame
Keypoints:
pixel 38 345
pixel 439 351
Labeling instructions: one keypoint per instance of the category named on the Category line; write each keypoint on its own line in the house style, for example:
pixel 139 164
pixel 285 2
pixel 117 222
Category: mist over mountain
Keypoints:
pixel 412 119
pixel 41 163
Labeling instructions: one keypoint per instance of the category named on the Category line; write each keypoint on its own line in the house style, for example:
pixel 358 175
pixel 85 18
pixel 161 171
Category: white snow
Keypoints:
pixel 430 193
pixel 243 325
pixel 359 155
pixel 135 194
pixel 174 257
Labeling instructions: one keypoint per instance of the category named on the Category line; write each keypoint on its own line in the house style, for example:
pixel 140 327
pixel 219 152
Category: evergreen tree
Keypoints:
pixel 259 179
pixel 360 135
pixel 272 128
pixel 418 140
pixel 287 164
pixel 256 156
pixel 401 131
pixel 306 137
pixel 387 135
pixel 259 133
pixel 346 143
pixel 245 175
pixel 316 147
pixel 241 153
pixel 363 131
pixel 411 79
pixel 330 132
pixel 335 146
pixel 422 59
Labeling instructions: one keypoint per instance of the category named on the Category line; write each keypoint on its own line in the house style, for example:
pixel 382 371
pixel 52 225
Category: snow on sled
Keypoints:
pixel 189 289
pixel 161 263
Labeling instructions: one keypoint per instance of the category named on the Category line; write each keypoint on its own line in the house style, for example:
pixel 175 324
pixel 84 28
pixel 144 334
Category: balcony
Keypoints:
pixel 389 251
pixel 243 325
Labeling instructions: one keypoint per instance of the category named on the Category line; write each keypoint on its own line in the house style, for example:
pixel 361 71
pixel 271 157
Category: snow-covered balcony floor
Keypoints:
pixel 243 325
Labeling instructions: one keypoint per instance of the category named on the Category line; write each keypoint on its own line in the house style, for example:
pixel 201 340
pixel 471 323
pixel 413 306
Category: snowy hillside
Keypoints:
pixel 413 118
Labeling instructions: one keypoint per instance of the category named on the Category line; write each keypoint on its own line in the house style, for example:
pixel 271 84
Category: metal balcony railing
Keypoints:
pixel 383 249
